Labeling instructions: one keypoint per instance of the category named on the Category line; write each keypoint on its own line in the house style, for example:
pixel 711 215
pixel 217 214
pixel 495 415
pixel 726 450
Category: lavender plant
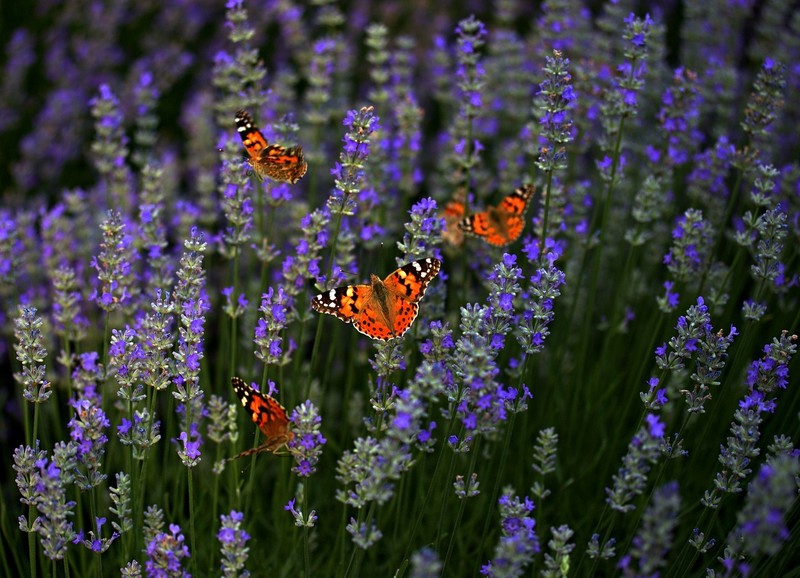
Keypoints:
pixel 612 393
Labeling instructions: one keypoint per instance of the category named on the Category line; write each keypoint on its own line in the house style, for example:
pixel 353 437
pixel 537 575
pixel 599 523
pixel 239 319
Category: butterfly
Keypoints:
pixel 384 309
pixel 273 161
pixel 453 213
pixel 267 413
pixel 504 223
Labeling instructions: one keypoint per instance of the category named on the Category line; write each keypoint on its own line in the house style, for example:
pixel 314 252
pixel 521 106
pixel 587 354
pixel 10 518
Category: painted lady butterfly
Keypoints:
pixel 504 223
pixel 267 413
pixel 273 161
pixel 384 309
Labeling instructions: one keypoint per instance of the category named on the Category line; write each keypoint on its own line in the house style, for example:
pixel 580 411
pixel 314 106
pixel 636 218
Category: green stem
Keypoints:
pixel 318 335
pixel 500 469
pixel 234 306
pixel 306 537
pixel 31 543
pixel 547 189
pixel 358 553
pixel 721 228
pixel 193 560
pixel 463 505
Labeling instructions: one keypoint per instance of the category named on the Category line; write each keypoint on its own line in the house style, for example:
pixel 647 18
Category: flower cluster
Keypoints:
pixel 166 552
pixel 233 540
pixel 276 309
pixel 650 546
pixel 765 378
pixel 306 446
pixel 543 289
pixel 30 353
pixel 87 430
pixel 518 542
pixel 114 266
pixel 696 339
pixel 556 97
pixel 349 171
pixel 643 452
pixel 110 149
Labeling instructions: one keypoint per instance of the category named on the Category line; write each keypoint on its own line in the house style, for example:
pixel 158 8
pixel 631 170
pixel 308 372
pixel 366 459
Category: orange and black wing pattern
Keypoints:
pixel 286 164
pixel 386 308
pixel 503 224
pixel 267 413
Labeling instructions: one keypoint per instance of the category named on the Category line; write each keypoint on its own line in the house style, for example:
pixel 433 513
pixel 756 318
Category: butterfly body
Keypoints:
pixel 385 308
pixel 503 224
pixel 267 413
pixel 268 160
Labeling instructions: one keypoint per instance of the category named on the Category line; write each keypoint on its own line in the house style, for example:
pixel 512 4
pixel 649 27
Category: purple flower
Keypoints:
pixel 31 353
pixel 745 430
pixel 518 543
pixel 306 446
pixel 110 150
pixel 190 351
pixel 233 540
pixel 761 524
pixel 87 431
pixel 276 309
pixel 555 98
pixel 692 238
pixel 631 478
pixel 113 265
pixel 655 426
pixel 165 553
pixel 651 544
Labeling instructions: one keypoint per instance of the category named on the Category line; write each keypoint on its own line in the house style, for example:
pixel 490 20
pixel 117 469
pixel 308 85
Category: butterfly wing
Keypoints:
pixel 503 224
pixel 513 209
pixel 406 286
pixel 273 161
pixel 266 412
pixel 252 138
pixel 282 164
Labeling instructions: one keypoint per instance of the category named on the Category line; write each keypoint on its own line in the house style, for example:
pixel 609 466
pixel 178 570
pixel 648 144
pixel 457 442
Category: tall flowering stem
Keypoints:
pixel 31 353
pixel 306 447
pixel 52 525
pixel 348 175
pixel 190 302
pixel 556 98
pixel 239 77
pixel 541 293
pixel 471 36
pixel 621 103
pixel 631 479
pixel 765 378
pixel 110 149
pixel 114 272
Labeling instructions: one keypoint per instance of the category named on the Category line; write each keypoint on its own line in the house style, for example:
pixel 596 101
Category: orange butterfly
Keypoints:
pixel 504 223
pixel 268 414
pixel 453 214
pixel 384 309
pixel 273 161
